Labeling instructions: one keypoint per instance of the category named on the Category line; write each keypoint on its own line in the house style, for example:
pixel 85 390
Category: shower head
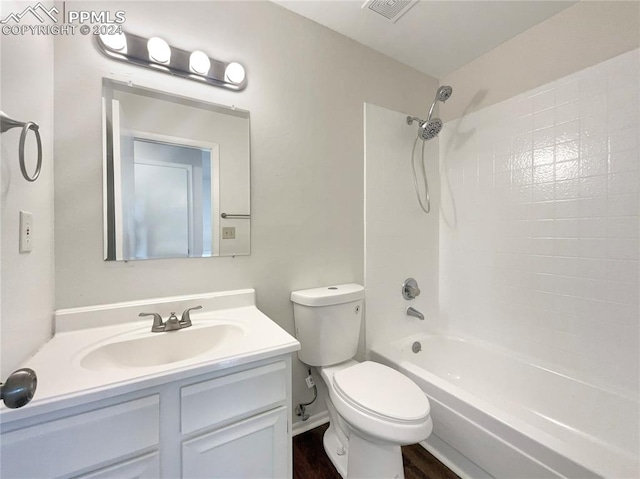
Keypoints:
pixel 444 93
pixel 430 129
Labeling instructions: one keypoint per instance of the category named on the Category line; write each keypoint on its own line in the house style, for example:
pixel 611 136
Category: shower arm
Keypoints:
pixel 411 119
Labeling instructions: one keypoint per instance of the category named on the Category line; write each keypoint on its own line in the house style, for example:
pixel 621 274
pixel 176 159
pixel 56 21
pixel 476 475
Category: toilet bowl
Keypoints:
pixel 373 409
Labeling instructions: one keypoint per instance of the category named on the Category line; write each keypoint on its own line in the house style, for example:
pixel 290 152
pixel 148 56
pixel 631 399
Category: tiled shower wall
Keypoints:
pixel 539 224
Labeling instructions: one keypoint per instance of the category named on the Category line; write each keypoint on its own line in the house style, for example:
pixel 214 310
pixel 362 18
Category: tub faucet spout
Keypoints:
pixel 415 313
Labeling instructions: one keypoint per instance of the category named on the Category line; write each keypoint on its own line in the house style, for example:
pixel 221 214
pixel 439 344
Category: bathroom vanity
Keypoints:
pixel 223 412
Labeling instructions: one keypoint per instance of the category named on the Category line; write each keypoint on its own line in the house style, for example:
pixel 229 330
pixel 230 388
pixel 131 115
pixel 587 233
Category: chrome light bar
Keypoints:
pixel 156 54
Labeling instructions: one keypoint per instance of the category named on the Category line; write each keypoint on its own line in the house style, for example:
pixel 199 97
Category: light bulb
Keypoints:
pixel 159 50
pixel 116 41
pixel 199 62
pixel 234 73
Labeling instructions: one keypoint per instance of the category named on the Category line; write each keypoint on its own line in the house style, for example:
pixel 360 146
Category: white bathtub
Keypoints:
pixel 497 416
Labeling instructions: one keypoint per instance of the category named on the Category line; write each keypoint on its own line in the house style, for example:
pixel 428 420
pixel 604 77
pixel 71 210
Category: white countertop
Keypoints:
pixel 63 382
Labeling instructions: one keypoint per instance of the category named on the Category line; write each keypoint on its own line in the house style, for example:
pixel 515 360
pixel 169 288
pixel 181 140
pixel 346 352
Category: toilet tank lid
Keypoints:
pixel 328 295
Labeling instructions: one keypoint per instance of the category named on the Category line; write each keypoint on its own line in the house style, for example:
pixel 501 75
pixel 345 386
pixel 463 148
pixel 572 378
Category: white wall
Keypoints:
pixel 584 34
pixel 539 231
pixel 306 90
pixel 401 241
pixel 27 285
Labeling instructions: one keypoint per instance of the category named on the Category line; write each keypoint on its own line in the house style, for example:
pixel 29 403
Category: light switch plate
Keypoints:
pixel 26 231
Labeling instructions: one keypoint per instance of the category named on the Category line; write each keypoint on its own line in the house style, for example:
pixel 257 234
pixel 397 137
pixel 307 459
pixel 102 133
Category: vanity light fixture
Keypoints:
pixel 157 54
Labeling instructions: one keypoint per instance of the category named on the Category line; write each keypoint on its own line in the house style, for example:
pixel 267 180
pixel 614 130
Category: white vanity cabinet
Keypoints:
pixel 232 423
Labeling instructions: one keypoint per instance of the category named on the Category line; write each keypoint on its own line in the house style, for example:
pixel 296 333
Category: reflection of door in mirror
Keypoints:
pixel 172 184
pixel 160 212
pixel 169 200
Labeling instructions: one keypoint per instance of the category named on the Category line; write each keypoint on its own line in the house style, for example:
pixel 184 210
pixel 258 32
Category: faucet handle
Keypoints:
pixel 158 325
pixel 410 289
pixel 185 320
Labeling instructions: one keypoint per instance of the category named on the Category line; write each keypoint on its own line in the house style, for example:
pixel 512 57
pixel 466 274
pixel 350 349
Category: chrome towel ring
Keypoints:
pixel 7 123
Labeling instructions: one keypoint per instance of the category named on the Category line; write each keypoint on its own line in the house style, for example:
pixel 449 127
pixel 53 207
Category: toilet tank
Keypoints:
pixel 327 322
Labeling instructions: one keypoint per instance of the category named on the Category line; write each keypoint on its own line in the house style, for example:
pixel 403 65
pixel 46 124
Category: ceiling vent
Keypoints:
pixel 392 10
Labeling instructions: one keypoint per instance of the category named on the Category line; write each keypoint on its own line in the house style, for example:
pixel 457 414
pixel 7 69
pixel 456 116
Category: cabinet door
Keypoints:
pixel 143 467
pixel 253 448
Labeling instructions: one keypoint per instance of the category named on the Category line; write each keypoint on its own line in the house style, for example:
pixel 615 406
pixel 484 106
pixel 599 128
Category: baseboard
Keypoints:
pixel 314 421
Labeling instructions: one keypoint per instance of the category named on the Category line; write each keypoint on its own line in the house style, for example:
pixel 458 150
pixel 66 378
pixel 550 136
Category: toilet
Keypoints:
pixel 373 409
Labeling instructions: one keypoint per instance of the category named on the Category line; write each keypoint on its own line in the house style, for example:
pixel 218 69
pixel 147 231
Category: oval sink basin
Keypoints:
pixel 161 348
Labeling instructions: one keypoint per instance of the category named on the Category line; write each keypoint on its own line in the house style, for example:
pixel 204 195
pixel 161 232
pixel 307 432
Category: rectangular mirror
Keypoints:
pixel 176 176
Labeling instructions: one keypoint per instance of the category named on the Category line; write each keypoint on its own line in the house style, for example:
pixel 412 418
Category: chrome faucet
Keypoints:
pixel 410 289
pixel 415 313
pixel 171 324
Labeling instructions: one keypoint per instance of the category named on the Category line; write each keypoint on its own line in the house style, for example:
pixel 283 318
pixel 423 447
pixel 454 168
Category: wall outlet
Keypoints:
pixel 309 381
pixel 229 232
pixel 26 231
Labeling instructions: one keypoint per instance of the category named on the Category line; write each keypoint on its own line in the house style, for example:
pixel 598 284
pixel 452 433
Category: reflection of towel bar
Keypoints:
pixel 230 216
pixel 7 123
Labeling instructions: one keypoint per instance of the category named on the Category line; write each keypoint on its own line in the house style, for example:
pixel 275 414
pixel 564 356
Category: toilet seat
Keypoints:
pixel 382 392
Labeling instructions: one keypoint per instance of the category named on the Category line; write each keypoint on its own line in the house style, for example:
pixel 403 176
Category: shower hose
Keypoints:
pixel 426 204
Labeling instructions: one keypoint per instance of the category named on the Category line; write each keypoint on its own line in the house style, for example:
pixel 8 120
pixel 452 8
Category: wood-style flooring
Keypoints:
pixel 311 462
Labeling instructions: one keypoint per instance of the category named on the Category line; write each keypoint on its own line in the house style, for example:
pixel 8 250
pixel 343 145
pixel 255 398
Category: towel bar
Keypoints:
pixel 7 123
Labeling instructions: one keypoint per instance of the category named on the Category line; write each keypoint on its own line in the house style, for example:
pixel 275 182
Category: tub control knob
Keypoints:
pixel 341 451
pixel 410 289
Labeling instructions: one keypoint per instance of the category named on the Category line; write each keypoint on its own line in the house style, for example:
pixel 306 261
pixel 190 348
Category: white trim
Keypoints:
pixel 117 178
pixel 105 198
pixel 172 140
pixel 313 422
pixel 216 233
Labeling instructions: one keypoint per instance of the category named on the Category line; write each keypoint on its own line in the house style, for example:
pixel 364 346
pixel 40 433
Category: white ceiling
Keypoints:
pixel 435 37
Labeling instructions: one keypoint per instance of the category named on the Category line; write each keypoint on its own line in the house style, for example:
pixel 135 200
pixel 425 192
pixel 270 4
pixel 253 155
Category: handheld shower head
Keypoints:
pixel 444 93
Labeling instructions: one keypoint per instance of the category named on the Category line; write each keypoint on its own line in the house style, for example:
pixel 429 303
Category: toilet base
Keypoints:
pixel 364 459
pixel 336 451
pixel 358 457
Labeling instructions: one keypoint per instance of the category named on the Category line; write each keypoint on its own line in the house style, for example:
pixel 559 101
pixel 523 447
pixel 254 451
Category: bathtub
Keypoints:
pixel 497 416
